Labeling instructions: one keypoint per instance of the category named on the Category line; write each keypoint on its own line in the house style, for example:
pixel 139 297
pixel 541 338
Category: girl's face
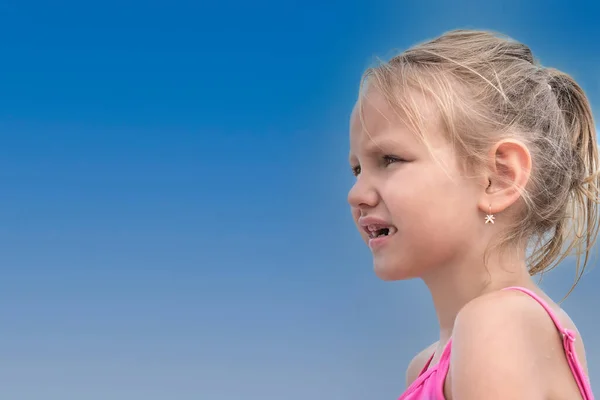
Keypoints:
pixel 413 206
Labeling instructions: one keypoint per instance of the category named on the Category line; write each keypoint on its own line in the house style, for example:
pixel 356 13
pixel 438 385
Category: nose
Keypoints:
pixel 362 194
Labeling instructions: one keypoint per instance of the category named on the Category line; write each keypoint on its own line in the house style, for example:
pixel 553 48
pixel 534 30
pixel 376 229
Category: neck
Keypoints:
pixel 459 283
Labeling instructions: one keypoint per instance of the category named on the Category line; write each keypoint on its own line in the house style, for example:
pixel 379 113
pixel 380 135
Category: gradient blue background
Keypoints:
pixel 173 216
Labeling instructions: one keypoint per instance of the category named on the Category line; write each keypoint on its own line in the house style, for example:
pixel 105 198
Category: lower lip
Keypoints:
pixel 376 243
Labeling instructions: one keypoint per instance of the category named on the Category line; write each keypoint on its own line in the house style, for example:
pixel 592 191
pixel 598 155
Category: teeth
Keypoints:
pixel 375 228
pixel 380 230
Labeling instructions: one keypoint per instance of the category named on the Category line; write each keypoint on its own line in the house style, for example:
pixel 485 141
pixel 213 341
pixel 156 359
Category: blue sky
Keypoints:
pixel 173 219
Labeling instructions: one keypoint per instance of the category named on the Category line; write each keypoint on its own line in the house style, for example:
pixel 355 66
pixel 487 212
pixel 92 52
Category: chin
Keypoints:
pixel 390 273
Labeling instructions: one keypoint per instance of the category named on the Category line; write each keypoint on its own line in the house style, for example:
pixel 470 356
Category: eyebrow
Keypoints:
pixel 378 146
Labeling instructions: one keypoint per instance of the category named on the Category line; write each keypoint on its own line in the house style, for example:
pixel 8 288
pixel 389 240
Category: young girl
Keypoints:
pixel 476 168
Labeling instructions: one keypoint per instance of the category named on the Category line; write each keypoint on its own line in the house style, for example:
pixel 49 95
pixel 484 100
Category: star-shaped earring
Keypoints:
pixel 489 219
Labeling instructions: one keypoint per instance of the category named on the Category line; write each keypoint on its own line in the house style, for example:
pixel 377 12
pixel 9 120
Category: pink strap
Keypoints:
pixel 427 364
pixel 542 303
pixel 444 357
pixel 568 344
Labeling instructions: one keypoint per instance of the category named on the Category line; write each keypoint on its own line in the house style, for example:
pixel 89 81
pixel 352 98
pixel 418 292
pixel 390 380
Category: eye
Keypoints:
pixel 387 160
pixel 356 170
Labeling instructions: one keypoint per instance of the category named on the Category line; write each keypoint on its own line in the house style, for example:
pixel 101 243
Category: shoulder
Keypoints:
pixel 499 344
pixel 511 310
pixel 418 362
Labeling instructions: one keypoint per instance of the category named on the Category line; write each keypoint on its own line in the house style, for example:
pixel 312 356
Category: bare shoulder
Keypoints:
pixel 502 343
pixel 502 313
pixel 418 362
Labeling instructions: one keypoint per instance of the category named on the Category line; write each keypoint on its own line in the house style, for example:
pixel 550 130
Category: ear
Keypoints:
pixel 509 172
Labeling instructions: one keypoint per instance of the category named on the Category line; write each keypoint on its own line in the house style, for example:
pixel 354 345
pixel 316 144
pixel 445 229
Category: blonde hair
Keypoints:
pixel 488 87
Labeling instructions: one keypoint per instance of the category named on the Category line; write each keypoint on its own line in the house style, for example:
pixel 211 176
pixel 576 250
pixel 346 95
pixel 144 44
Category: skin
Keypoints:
pixel 504 345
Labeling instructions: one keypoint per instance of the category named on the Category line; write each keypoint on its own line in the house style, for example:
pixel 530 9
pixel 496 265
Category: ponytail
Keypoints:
pixel 585 180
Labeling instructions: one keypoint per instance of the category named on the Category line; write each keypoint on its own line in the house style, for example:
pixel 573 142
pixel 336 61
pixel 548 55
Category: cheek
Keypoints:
pixel 411 194
pixel 450 212
pixel 429 201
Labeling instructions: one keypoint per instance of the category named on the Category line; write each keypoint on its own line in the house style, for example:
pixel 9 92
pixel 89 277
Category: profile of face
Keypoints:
pixel 414 206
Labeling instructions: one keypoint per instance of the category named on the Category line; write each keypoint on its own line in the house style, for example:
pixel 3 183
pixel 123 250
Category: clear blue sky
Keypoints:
pixel 173 216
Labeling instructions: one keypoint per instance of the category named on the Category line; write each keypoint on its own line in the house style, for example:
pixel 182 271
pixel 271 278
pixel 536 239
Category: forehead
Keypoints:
pixel 374 120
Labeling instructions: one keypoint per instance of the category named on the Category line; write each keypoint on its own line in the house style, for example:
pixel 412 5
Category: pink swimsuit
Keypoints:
pixel 430 383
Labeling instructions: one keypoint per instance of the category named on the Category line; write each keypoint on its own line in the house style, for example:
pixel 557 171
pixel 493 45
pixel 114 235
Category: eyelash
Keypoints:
pixel 391 159
pixel 386 160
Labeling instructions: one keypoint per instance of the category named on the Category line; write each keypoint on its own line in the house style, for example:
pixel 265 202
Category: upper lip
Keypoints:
pixel 365 222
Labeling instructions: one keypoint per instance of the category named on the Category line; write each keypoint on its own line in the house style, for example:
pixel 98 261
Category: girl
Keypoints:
pixel 477 168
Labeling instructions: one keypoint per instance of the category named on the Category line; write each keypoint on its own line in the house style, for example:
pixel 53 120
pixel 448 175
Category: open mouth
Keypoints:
pixel 375 231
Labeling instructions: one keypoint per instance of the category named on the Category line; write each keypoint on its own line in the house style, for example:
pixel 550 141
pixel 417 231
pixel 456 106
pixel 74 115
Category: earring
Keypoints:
pixel 489 218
